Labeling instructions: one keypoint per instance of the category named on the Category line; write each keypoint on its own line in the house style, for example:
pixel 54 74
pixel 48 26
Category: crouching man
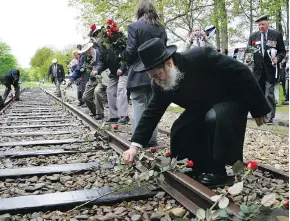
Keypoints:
pixel 9 79
pixel 216 91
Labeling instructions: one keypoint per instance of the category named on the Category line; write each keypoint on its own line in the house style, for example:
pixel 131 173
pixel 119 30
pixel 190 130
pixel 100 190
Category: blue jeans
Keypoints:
pixel 140 99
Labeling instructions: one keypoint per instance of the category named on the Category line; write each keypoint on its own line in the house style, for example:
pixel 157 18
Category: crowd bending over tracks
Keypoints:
pixel 54 166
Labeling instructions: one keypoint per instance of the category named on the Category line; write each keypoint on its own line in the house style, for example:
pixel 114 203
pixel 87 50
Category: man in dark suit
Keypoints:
pixel 263 42
pixel 216 92
pixel 146 27
pixel 10 78
pixel 56 72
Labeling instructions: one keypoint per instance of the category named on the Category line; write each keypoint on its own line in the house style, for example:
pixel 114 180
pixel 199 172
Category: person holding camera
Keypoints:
pixel 82 80
pixel 197 38
pixel 92 95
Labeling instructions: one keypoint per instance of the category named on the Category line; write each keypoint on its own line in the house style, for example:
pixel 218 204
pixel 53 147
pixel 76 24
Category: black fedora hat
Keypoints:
pixel 152 53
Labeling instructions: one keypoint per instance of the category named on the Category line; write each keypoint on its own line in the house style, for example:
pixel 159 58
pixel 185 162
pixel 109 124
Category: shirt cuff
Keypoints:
pixel 136 145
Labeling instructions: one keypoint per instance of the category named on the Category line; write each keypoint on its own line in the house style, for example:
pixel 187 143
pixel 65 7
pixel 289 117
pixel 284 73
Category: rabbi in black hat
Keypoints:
pixel 216 92
pixel 269 50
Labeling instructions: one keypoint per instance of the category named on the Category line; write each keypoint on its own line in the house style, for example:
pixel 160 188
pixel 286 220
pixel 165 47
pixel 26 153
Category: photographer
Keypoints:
pixel 82 80
pixel 197 38
pixel 93 91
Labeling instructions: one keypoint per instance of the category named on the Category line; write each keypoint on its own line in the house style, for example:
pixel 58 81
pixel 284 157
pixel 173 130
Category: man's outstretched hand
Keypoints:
pixel 129 155
pixel 261 120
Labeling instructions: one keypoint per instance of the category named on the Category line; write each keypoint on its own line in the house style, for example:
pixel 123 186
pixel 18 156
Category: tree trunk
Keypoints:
pixel 279 19
pixel 251 17
pixel 216 24
pixel 287 23
pixel 224 25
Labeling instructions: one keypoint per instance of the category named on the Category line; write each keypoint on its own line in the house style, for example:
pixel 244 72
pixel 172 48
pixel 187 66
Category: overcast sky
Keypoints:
pixel 26 25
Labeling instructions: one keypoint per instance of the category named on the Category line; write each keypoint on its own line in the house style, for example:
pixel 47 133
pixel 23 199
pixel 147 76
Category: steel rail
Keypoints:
pixel 263 167
pixel 188 192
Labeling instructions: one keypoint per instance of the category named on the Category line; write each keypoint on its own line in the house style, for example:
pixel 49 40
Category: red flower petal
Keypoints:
pixel 189 163
pixel 153 149
pixel 168 154
pixel 114 25
pixel 116 126
pixel 252 165
pixel 110 21
pixel 93 26
pixel 108 33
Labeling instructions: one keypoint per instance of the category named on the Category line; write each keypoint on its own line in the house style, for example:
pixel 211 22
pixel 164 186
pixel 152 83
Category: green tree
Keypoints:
pixel 7 60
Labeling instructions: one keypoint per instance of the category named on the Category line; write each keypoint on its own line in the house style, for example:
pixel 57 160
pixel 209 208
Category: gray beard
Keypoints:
pixel 174 76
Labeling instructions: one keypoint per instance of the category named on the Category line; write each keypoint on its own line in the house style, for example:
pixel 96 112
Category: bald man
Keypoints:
pixel 264 68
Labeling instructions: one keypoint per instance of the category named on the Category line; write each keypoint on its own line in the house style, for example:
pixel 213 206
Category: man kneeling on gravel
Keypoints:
pixel 9 79
pixel 216 91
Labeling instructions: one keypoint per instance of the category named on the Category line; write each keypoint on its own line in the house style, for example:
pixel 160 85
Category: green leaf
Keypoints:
pixel 269 199
pixel 223 213
pixel 173 162
pixel 236 188
pixel 151 173
pixel 245 208
pixel 153 164
pixel 241 214
pixel 200 214
pixel 238 167
pixel 208 214
pixel 215 198
pixel 224 202
pixel 215 214
pixel 254 207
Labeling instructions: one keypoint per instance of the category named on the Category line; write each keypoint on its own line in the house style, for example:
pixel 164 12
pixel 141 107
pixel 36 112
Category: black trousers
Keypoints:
pixel 212 138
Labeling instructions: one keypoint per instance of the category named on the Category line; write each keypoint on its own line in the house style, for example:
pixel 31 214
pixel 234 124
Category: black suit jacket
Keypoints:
pixel 209 78
pixel 108 60
pixel 274 40
pixel 9 79
pixel 60 72
pixel 138 33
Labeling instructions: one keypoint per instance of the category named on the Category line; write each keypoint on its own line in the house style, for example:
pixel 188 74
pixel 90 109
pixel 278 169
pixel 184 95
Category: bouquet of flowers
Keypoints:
pixel 250 51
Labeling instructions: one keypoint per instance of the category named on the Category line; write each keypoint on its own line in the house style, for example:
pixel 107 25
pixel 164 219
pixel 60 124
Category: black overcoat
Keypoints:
pixel 60 72
pixel 138 33
pixel 274 40
pixel 210 79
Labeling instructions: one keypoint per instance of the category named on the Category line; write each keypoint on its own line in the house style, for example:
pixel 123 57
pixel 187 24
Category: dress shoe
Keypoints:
pixel 152 144
pixel 112 120
pixel 81 103
pixel 99 116
pixel 212 179
pixel 269 122
pixel 123 120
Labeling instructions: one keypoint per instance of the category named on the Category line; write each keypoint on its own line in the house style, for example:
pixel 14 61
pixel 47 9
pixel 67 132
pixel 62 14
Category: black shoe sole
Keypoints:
pixel 228 181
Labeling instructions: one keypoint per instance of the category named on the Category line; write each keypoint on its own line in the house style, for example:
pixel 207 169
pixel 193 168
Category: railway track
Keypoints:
pixel 52 162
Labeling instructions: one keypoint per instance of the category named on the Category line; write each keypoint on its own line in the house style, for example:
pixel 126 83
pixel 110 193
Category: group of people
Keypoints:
pixel 216 91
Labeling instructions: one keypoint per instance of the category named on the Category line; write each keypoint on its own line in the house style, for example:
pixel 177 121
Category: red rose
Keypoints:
pixel 110 21
pixel 153 150
pixel 114 25
pixel 114 29
pixel 108 33
pixel 189 163
pixel 286 204
pixel 168 154
pixel 252 165
pixel 253 42
pixel 108 27
pixel 116 126
pixel 93 26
